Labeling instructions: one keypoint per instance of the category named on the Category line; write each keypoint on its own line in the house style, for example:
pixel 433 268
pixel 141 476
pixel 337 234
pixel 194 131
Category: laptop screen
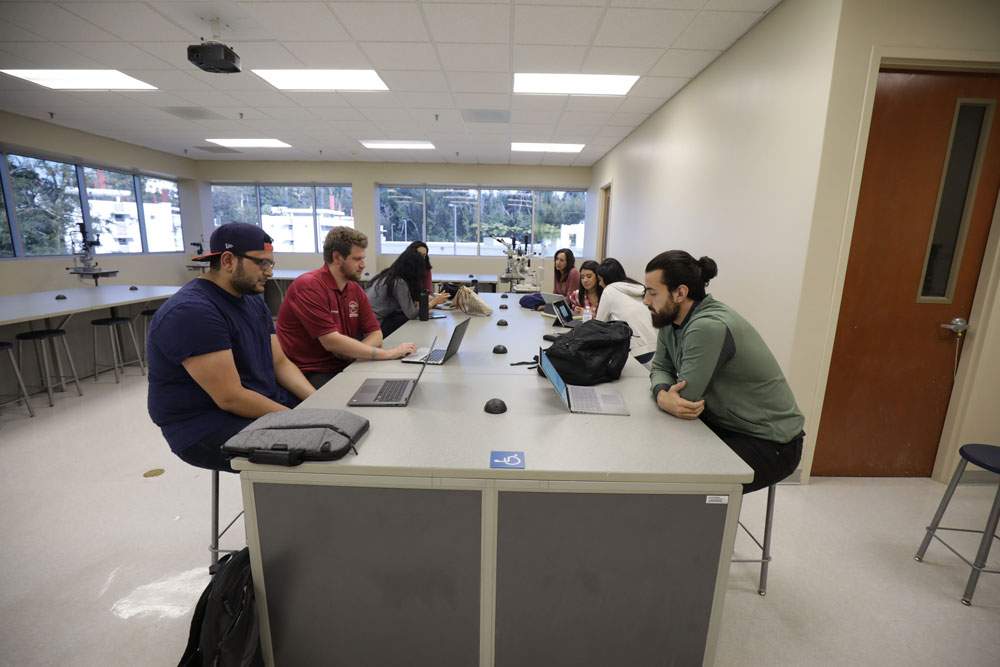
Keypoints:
pixel 553 375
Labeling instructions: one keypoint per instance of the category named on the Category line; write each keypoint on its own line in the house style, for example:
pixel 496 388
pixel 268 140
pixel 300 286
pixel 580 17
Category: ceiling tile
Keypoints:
pixel 683 62
pixel 171 79
pixel 482 101
pixel 118 54
pixel 388 114
pixel 371 100
pixel 337 113
pixel 627 119
pixel 297 21
pixel 403 55
pixel 265 55
pixel 49 55
pixel 381 21
pixel 657 86
pixel 585 117
pixel 742 5
pixel 617 60
pixel 475 57
pixel 317 99
pixel 480 82
pixel 535 117
pixel 641 104
pixel 555 25
pixel 131 21
pixel 425 100
pixel 173 53
pixel 535 58
pixel 265 98
pixel 209 98
pixel 593 103
pixel 660 4
pixel 52 22
pixel 476 24
pixel 415 82
pixel 539 102
pixel 12 33
pixel 655 28
pixel 329 55
pixel 716 30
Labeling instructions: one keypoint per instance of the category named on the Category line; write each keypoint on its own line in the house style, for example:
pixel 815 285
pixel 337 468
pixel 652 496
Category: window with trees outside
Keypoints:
pixel 46 204
pixel 42 210
pixel 468 221
pixel 297 217
pixel 161 208
pixel 6 240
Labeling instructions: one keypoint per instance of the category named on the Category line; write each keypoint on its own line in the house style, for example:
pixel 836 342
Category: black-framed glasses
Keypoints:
pixel 264 264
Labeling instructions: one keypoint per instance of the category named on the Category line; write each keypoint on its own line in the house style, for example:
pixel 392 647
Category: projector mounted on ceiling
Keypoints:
pixel 214 57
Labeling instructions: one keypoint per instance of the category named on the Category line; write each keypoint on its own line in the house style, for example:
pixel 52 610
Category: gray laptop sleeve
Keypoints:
pixel 290 437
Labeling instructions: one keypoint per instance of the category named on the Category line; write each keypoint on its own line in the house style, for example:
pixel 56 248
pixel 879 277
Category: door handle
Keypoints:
pixel 959 326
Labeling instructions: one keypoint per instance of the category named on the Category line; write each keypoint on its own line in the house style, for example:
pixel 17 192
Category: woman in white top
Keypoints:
pixel 622 300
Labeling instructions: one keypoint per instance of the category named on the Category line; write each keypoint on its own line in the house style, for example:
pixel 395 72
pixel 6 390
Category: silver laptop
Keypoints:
pixel 438 356
pixel 589 400
pixel 387 392
pixel 550 299
pixel 564 314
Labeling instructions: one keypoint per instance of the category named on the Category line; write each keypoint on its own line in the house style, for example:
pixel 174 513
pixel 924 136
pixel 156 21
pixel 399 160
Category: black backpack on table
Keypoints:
pixel 592 352
pixel 225 631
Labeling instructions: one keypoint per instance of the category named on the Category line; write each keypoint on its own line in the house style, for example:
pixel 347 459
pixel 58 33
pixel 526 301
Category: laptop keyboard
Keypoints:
pixel 391 391
pixel 584 398
pixel 436 356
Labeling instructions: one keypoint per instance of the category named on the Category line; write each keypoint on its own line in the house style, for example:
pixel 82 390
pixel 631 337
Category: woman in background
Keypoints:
pixel 421 247
pixel 567 278
pixel 395 291
pixel 622 300
pixel 589 295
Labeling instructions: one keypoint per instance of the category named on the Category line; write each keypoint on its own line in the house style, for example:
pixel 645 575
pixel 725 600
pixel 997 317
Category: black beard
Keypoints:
pixel 244 285
pixel 662 318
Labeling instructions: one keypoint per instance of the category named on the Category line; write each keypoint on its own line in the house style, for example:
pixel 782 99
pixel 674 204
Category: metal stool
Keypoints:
pixel 22 391
pixel 213 547
pixel 765 548
pixel 984 456
pixel 117 358
pixel 147 316
pixel 38 339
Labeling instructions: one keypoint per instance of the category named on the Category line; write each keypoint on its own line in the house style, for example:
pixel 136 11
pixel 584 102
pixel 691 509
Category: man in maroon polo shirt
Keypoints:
pixel 326 321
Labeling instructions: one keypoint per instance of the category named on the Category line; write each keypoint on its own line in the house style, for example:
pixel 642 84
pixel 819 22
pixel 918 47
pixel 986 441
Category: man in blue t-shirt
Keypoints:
pixel 215 364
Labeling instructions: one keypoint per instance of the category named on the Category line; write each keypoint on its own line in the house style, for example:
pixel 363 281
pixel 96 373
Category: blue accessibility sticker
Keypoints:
pixel 507 460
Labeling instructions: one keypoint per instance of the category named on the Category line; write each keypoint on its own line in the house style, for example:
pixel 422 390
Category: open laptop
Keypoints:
pixel 438 356
pixel 588 400
pixel 564 314
pixel 386 392
pixel 550 299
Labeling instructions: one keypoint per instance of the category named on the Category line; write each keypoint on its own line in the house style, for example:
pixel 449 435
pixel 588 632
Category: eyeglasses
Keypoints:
pixel 264 264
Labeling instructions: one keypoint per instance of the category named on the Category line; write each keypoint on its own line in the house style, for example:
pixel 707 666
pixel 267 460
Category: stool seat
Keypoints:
pixel 41 334
pixel 984 456
pixel 107 321
pixel 4 345
pixel 149 312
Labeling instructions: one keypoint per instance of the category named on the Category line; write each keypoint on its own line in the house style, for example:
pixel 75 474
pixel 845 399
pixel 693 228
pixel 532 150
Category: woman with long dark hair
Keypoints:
pixel 395 291
pixel 567 278
pixel 622 300
pixel 588 297
pixel 421 247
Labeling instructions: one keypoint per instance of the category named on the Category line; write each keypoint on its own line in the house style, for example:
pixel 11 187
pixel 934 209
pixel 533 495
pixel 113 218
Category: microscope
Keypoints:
pixel 84 265
pixel 519 272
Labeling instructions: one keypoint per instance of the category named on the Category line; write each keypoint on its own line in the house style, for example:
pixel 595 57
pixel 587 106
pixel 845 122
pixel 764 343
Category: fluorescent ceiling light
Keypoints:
pixel 403 145
pixel 574 84
pixel 546 148
pixel 322 79
pixel 250 143
pixel 80 79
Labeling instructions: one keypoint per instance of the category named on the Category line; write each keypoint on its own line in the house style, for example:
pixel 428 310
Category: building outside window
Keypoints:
pixel 161 209
pixel 286 214
pixel 114 215
pixel 46 203
pixel 559 220
pixel 334 208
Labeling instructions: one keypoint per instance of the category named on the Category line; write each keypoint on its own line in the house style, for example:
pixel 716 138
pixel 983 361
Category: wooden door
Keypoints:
pixel 892 368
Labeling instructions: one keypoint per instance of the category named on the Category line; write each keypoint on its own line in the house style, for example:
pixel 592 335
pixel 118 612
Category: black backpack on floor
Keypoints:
pixel 224 630
pixel 591 352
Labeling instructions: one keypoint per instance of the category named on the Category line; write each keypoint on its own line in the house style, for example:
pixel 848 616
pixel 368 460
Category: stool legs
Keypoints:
pixel 765 547
pixel 214 544
pixel 984 550
pixel 118 350
pixel 43 355
pixel 72 366
pixel 135 346
pixel 22 390
pixel 939 514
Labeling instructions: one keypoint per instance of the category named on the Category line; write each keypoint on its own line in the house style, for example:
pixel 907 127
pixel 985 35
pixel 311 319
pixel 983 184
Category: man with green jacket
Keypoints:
pixel 711 363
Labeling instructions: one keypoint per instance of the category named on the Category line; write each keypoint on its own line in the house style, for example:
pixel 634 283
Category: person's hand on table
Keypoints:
pixel 541 307
pixel 439 299
pixel 577 310
pixel 670 400
pixel 402 350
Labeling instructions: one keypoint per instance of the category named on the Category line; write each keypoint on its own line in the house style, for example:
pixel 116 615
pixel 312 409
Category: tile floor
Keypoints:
pixel 101 566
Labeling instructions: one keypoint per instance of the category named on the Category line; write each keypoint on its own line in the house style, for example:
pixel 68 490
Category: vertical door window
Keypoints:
pixel 161 211
pixel 114 216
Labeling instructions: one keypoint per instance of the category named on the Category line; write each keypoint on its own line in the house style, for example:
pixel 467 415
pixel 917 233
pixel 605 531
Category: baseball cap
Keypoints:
pixel 236 237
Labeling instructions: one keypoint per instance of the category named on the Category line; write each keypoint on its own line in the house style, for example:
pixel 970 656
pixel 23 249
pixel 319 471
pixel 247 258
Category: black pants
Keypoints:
pixel 771 461
pixel 318 379
pixel 206 453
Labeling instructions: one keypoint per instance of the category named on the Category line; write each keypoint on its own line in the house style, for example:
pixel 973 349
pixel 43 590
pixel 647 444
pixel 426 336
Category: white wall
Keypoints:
pixel 728 168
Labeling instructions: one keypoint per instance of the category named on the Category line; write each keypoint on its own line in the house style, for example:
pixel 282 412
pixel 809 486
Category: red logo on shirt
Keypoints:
pixel 353 308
